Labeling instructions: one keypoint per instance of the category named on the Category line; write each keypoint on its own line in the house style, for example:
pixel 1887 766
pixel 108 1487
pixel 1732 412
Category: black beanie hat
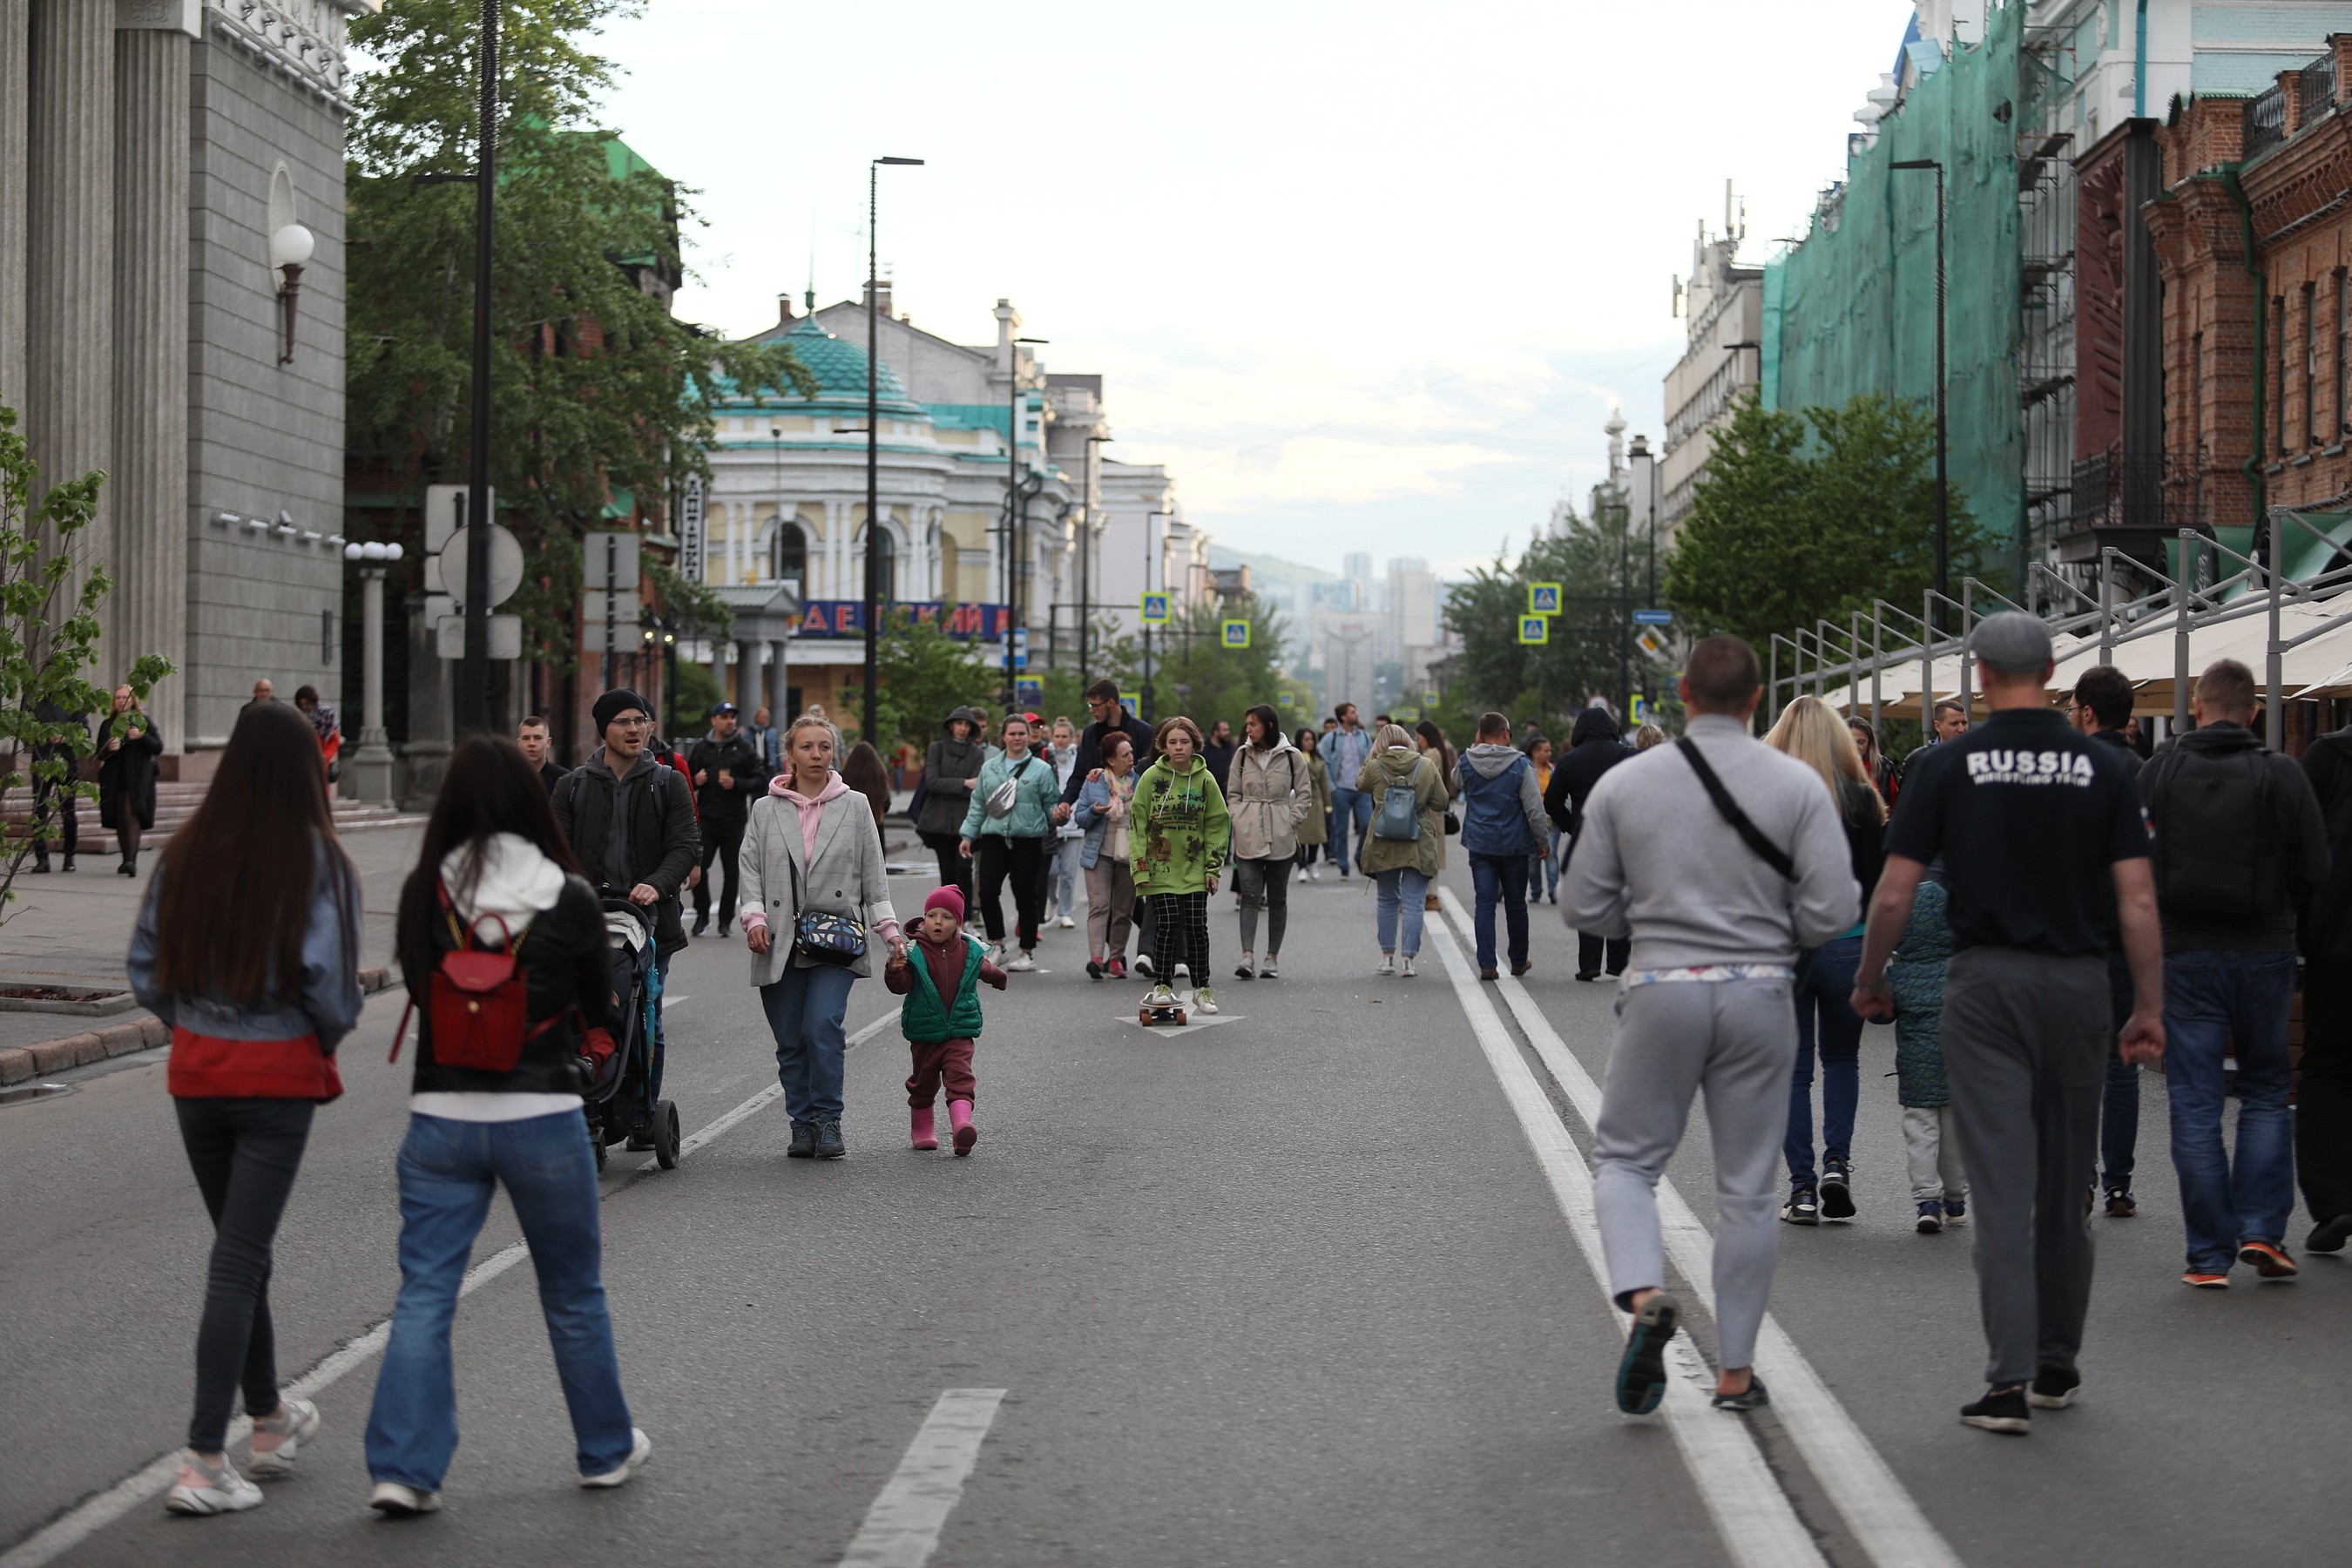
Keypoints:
pixel 614 703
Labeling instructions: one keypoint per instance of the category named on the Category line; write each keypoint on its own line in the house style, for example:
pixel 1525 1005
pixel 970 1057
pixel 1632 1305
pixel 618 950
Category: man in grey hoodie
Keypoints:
pixel 1504 832
pixel 1720 857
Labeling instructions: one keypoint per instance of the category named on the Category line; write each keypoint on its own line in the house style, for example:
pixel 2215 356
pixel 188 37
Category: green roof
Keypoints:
pixel 839 367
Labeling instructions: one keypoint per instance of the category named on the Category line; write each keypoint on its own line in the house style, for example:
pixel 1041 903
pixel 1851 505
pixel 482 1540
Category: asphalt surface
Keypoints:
pixel 1291 1288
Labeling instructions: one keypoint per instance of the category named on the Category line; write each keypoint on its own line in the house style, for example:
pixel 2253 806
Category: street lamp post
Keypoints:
pixel 473 704
pixel 1147 692
pixel 1943 479
pixel 1015 507
pixel 1086 566
pixel 870 721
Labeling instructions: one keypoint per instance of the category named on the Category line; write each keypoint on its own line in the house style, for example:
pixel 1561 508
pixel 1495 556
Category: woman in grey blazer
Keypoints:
pixel 811 845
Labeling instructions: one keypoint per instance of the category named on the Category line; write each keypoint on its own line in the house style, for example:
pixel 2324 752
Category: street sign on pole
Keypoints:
pixel 1028 689
pixel 1154 609
pixel 1641 709
pixel 505 567
pixel 608 559
pixel 1132 701
pixel 445 514
pixel 1535 628
pixel 1654 617
pixel 1649 642
pixel 1543 598
pixel 1234 634
pixel 689 530
pixel 506 637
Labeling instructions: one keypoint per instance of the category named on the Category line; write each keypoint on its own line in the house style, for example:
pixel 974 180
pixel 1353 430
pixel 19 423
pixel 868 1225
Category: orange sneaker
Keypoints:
pixel 2268 1260
pixel 2204 1281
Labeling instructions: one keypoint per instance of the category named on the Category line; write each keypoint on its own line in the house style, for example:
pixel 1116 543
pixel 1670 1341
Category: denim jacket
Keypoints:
pixel 1093 814
pixel 328 1004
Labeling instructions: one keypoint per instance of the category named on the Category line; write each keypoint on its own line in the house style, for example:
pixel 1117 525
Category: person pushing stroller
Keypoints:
pixel 941 1015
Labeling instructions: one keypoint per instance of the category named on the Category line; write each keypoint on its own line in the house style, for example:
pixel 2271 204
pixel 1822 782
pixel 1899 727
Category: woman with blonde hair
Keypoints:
pixel 1811 730
pixel 1401 863
pixel 1648 735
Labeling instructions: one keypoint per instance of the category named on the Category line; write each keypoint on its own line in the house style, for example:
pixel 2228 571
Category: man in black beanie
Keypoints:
pixel 630 821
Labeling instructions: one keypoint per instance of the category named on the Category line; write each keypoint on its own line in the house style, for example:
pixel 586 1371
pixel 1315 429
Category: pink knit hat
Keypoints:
pixel 950 898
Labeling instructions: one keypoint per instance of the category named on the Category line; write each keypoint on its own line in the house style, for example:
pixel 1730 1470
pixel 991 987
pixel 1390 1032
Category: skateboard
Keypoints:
pixel 1150 1014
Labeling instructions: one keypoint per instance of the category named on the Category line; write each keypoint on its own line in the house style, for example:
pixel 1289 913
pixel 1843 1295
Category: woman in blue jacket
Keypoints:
pixel 1012 843
pixel 1107 854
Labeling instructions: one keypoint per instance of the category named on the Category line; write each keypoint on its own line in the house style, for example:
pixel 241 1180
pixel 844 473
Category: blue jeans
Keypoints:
pixel 1402 892
pixel 804 1013
pixel 1543 874
pixel 1825 1017
pixel 448 1171
pixel 2218 1003
pixel 2119 1105
pixel 1504 877
pixel 1349 805
pixel 1062 874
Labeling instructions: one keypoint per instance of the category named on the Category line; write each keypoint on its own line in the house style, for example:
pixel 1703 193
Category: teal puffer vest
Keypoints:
pixel 926 1020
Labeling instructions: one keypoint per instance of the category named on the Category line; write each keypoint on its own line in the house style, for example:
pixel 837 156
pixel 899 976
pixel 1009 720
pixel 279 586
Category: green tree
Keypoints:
pixel 1808 516
pixel 46 657
pixel 923 676
pixel 600 397
pixel 1193 673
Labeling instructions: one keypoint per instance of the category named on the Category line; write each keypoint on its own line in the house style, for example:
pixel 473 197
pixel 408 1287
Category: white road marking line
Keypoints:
pixel 1758 1526
pixel 1880 1510
pixel 902 1529
pixel 70 1530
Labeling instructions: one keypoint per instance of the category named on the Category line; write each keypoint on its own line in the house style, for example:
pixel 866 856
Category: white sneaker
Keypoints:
pixel 1159 996
pixel 1305 875
pixel 204 1489
pixel 1023 962
pixel 284 1435
pixel 1183 974
pixel 1313 875
pixel 1266 971
pixel 638 1454
pixel 1204 1000
pixel 1388 964
pixel 393 1500
pixel 1408 970
pixel 1143 965
pixel 1066 923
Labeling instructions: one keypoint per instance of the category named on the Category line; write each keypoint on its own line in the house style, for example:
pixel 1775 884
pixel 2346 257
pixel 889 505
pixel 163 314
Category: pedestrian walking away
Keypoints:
pixel 2045 852
pixel 631 826
pixel 1432 740
pixel 727 776
pixel 949 766
pixel 538 746
pixel 1914 977
pixel 1407 798
pixel 1504 832
pixel 815 891
pixel 248 946
pixel 1809 731
pixel 1065 866
pixel 1272 790
pixel 1315 828
pixel 2101 708
pixel 1007 828
pixel 2322 1113
pixel 1593 749
pixel 1543 870
pixel 2241 849
pixel 1182 834
pixel 1719 859
pixel 1104 815
pixel 495 1102
pixel 1876 765
pixel 127 745
pixel 1345 749
pixel 939 974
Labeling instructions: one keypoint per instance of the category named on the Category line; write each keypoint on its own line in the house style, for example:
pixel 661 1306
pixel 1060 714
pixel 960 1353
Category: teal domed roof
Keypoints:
pixel 839 366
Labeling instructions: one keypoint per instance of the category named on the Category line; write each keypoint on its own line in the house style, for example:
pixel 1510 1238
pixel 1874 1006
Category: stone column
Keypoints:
pixel 68 397
pixel 747 675
pixel 148 612
pixel 775 697
pixel 15 102
pixel 369 776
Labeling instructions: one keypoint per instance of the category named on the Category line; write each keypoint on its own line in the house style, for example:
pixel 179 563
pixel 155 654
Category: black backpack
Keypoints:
pixel 2215 860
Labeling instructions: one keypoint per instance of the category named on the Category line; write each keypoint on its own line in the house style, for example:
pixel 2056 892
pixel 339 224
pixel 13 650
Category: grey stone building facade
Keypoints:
pixel 158 158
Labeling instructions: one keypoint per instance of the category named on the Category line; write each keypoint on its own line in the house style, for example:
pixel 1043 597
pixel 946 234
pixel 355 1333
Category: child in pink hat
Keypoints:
pixel 939 976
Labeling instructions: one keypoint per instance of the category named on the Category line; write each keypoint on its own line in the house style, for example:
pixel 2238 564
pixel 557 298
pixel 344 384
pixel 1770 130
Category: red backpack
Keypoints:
pixel 477 1000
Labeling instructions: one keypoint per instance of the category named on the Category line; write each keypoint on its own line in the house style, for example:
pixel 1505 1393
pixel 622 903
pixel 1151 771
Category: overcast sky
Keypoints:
pixel 1365 276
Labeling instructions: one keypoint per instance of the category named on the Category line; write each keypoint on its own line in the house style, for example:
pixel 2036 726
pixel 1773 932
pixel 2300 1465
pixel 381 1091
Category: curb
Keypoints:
pixel 18 1063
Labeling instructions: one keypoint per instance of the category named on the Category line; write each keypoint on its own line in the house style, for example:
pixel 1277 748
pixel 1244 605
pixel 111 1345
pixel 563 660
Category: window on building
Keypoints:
pixel 2311 364
pixel 788 555
pixel 2278 373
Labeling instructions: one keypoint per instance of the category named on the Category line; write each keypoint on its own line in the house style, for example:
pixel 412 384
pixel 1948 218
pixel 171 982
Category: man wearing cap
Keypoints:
pixel 728 775
pixel 2046 863
pixel 630 821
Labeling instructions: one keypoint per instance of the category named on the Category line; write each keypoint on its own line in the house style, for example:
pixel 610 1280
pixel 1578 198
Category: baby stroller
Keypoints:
pixel 619 1093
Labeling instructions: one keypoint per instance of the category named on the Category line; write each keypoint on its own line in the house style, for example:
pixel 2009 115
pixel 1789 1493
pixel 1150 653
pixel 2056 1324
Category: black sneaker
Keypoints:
pixel 2328 1235
pixel 1802 1207
pixel 2000 1410
pixel 1094 968
pixel 829 1145
pixel 2053 1388
pixel 723 931
pixel 1837 1198
pixel 1756 1397
pixel 803 1142
pixel 1931 1218
pixel 1641 1373
pixel 701 925
pixel 2120 1204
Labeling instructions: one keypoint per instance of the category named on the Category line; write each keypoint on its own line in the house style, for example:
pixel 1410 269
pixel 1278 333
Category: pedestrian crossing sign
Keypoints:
pixel 1535 628
pixel 1543 599
pixel 1028 689
pixel 1408 714
pixel 1155 609
pixel 1237 634
pixel 1132 701
pixel 1641 709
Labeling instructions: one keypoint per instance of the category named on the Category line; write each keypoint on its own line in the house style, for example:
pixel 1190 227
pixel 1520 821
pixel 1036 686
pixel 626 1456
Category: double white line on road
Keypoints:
pixel 1884 1517
pixel 70 1530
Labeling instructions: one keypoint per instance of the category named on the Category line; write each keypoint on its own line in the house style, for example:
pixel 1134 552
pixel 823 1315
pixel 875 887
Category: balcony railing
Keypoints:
pixel 2265 124
pixel 2150 494
pixel 2317 84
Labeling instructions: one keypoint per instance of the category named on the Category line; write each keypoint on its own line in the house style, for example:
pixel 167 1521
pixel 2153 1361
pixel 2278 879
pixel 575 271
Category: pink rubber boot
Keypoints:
pixel 925 1137
pixel 959 1117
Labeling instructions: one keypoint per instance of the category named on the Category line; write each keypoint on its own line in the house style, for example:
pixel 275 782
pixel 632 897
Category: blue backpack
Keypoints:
pixel 1399 813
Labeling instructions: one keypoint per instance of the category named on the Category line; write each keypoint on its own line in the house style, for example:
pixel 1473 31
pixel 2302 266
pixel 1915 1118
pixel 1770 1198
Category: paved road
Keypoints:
pixel 1302 1287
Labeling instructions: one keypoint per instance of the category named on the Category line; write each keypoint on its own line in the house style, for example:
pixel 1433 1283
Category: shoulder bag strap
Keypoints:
pixel 1771 854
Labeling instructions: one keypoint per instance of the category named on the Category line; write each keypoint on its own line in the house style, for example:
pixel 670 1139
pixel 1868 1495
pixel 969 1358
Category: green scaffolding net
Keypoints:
pixel 1852 308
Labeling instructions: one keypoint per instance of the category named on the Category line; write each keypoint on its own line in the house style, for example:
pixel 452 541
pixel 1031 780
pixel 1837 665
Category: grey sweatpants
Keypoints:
pixel 1736 1040
pixel 2025 1044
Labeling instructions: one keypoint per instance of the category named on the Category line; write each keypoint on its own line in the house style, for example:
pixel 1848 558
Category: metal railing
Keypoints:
pixel 2265 122
pixel 2158 491
pixel 2316 89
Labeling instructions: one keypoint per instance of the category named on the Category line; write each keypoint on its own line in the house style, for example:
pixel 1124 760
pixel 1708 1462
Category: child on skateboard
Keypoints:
pixel 939 976
pixel 1181 838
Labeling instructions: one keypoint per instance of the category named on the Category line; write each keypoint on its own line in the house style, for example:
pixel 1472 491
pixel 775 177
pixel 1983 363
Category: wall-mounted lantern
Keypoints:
pixel 289 250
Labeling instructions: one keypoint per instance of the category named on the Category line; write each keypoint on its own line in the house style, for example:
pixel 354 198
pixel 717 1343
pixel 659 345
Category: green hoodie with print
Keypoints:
pixel 1182 832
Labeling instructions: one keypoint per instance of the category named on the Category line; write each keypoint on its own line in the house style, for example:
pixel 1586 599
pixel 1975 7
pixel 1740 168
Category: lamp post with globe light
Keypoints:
pixel 370 776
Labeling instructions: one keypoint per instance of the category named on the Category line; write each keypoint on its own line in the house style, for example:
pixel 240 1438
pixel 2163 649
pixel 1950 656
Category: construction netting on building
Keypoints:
pixel 1852 308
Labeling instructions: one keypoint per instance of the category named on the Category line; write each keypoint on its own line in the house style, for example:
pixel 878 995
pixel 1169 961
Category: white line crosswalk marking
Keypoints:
pixel 902 1529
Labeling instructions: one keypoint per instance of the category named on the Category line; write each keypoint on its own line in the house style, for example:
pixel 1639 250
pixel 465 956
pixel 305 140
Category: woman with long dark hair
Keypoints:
pixel 1269 790
pixel 1315 830
pixel 248 945
pixel 863 771
pixel 1432 742
pixel 497 875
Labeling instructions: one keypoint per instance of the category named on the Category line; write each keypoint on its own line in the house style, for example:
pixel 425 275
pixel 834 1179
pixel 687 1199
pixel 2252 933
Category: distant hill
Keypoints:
pixel 1267 568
